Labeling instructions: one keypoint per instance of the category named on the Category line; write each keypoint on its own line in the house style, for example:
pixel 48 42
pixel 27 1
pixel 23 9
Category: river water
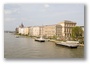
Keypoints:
pixel 25 47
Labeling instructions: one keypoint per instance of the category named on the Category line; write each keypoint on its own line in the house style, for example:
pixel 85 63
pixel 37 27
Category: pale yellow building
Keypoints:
pixel 23 31
pixel 35 31
pixel 26 30
pixel 20 30
pixel 59 31
pixel 67 28
pixel 51 30
pixel 62 30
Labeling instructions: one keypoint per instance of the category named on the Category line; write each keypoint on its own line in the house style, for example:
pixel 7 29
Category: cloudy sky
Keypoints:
pixel 41 14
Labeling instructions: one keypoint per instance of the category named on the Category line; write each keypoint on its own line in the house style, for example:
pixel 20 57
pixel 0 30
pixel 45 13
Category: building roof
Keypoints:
pixel 66 21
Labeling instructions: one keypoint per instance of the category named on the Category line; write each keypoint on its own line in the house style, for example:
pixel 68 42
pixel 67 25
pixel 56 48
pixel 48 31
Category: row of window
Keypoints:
pixel 69 25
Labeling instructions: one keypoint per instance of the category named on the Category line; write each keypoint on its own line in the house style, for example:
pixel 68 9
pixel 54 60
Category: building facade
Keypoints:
pixel 59 31
pixel 21 30
pixel 35 31
pixel 51 31
pixel 26 30
pixel 67 28
pixel 62 30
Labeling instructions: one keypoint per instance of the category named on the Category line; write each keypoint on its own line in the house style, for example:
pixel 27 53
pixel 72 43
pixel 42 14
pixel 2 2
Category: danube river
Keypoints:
pixel 25 47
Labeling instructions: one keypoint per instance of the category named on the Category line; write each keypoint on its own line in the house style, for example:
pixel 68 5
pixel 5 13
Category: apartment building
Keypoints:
pixel 67 28
pixel 62 30
pixel 51 30
pixel 26 30
pixel 59 31
pixel 20 30
pixel 35 31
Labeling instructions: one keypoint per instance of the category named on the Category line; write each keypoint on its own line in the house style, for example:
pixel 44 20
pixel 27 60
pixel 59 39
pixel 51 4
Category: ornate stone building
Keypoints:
pixel 62 30
pixel 52 30
pixel 67 28
pixel 35 31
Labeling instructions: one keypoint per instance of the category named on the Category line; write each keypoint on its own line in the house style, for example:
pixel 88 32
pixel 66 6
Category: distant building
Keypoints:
pixel 59 31
pixel 35 31
pixel 67 28
pixel 21 30
pixel 31 31
pixel 51 31
pixel 62 30
pixel 26 30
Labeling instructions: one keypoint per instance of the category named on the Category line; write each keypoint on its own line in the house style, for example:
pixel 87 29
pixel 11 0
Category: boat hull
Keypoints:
pixel 39 40
pixel 67 45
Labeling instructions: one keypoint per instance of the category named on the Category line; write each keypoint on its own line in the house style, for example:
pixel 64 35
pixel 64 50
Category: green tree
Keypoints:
pixel 77 33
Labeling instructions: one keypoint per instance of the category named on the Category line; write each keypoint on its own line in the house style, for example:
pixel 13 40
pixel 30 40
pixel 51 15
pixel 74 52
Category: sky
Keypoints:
pixel 41 14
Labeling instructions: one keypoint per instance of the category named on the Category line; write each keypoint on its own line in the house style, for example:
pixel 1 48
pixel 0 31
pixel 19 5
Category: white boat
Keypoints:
pixel 71 44
pixel 40 39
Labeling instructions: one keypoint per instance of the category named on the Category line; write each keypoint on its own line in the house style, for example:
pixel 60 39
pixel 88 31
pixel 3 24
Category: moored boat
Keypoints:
pixel 71 44
pixel 40 39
